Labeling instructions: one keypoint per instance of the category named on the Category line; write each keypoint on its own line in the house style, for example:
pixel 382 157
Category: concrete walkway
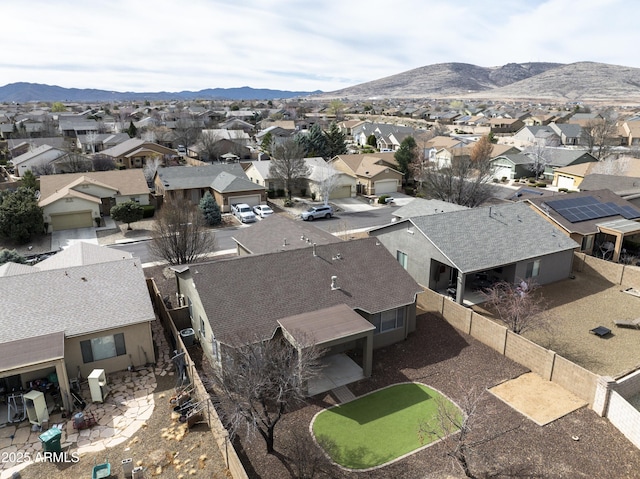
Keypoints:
pixel 128 406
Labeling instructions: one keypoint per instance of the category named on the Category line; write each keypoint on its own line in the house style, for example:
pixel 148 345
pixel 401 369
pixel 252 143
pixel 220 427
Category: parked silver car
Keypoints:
pixel 324 211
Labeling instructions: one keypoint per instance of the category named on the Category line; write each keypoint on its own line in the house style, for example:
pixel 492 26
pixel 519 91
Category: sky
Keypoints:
pixel 296 45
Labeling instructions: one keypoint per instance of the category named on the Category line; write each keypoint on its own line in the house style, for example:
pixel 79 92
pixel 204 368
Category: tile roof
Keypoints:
pixel 78 300
pixel 269 235
pixel 251 293
pixel 483 238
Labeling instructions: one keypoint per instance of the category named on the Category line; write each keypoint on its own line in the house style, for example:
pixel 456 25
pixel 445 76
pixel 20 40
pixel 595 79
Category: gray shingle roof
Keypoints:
pixel 268 235
pixel 421 207
pixel 250 293
pixel 621 185
pixel 79 300
pixel 478 239
pixel 186 177
pixel 227 182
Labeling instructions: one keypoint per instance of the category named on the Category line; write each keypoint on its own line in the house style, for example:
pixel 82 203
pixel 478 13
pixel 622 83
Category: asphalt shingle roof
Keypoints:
pixel 478 239
pixel 187 177
pixel 251 293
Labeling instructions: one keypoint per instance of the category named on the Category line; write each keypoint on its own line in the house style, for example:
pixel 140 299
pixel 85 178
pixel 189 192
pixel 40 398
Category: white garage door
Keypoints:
pixel 71 221
pixel 565 182
pixel 385 186
pixel 502 172
pixel 251 200
pixel 341 192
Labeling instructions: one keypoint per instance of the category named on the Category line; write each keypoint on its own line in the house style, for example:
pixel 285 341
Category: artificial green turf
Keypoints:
pixel 379 427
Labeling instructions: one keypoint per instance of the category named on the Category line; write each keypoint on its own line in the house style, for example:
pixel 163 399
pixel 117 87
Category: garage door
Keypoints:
pixel 502 172
pixel 251 200
pixel 565 182
pixel 386 186
pixel 340 192
pixel 71 221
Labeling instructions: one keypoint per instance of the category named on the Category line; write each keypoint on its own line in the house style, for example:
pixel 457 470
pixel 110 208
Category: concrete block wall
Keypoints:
pixel 612 272
pixel 488 332
pixel 457 315
pixel 529 354
pixel 631 277
pixel 629 385
pixel 574 378
pixel 625 417
pixel 430 301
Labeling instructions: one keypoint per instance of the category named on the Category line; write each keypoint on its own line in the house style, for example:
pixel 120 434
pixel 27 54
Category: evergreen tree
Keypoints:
pixel 210 210
pixel 132 131
pixel 20 216
pixel 336 141
pixel 314 142
pixel 29 180
pixel 372 141
pixel 11 255
pixel 266 142
pixel 406 154
pixel 128 212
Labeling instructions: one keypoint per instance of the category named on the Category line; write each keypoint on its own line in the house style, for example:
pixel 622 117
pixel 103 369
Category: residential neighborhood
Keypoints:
pixel 487 254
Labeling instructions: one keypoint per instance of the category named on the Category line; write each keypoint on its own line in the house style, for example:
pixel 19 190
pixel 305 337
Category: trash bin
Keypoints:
pixel 127 467
pixel 188 336
pixel 51 440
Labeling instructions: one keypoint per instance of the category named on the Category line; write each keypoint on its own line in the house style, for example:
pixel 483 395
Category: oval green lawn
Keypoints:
pixel 379 427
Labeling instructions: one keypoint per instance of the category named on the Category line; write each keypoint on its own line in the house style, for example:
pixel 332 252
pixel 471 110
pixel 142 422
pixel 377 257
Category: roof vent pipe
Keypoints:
pixel 314 250
pixel 334 283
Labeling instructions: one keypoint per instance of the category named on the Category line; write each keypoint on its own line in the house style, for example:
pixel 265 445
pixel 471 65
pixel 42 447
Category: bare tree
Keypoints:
pixel 209 143
pixel 43 169
pixel 329 180
pixel 520 307
pixel 186 131
pixel 103 162
pixel 150 167
pixel 179 234
pixel 462 428
pixel 612 166
pixel 599 133
pixel 464 182
pixel 262 379
pixel 92 140
pixel 73 162
pixel 540 158
pixel 287 163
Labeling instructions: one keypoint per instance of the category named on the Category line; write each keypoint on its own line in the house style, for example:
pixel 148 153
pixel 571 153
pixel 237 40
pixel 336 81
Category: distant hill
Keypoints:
pixel 553 81
pixel 26 92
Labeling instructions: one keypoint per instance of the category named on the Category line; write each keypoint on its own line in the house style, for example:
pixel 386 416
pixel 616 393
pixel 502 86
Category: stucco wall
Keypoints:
pixel 553 267
pixel 137 339
pixel 74 205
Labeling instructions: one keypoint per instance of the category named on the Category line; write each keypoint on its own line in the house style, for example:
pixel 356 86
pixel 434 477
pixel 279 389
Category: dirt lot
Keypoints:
pixel 577 305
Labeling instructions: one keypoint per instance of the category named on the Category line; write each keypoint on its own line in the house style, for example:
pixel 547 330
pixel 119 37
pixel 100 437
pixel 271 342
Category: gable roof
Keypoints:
pixel 77 300
pixel 82 253
pixel 620 185
pixel 30 155
pixel 279 233
pixel 369 165
pixel 187 177
pixel 483 238
pixel 422 207
pixel 124 182
pixel 227 182
pixel 369 277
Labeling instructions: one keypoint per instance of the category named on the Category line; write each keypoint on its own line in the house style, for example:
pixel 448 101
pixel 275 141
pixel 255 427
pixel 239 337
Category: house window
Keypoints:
pixel 135 199
pixel 388 320
pixel 587 243
pixel 202 334
pixel 104 347
pixel 402 258
pixel 533 269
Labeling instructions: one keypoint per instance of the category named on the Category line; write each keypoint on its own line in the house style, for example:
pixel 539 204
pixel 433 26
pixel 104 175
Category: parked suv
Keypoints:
pixel 317 212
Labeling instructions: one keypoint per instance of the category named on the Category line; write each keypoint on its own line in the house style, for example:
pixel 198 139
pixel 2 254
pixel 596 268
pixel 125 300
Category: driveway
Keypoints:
pixel 359 203
pixel 65 238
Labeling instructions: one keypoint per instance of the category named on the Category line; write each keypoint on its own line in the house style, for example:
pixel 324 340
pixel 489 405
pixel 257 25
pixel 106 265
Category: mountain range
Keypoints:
pixel 582 81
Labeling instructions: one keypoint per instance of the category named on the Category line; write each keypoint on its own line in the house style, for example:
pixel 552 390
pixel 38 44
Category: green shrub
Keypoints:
pixel 148 211
pixel 532 180
pixel 303 192
pixel 420 195
pixel 409 191
pixel 541 185
pixel 280 192
pixel 382 199
pixel 563 190
pixel 288 203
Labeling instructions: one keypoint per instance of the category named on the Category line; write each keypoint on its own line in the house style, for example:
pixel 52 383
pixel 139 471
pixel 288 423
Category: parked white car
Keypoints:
pixel 262 211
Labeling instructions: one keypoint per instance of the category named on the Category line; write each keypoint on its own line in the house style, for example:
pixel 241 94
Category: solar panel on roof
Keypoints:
pixel 588 208
pixel 630 213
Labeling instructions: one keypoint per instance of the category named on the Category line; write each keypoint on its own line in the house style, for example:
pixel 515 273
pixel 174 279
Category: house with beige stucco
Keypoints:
pixel 87 308
pixel 80 200
pixel 375 173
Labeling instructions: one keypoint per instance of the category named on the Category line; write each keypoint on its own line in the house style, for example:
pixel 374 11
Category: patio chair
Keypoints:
pixel 628 323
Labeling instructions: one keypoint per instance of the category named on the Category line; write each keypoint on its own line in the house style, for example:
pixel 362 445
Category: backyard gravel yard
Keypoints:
pixel 578 305
pixel 579 445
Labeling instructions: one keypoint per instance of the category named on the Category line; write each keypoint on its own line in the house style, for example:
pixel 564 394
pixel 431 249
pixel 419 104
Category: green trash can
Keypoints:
pixel 51 440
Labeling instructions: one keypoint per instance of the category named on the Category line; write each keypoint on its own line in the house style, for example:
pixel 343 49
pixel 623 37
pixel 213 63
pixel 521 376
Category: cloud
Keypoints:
pixel 136 45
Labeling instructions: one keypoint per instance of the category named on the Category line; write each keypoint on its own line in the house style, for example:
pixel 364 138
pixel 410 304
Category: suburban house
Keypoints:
pixel 20 146
pixel 515 166
pixel 388 137
pixel 422 207
pixel 97 142
pixel 460 252
pixel 626 187
pixel 344 184
pixel 375 173
pixel 134 153
pixel 79 200
pixel 345 296
pixel 227 183
pixel 280 233
pixel 88 308
pixel 41 156
pixel 599 221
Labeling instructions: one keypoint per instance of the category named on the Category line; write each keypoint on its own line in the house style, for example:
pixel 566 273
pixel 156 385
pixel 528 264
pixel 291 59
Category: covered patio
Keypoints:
pixel 335 330
pixel 616 230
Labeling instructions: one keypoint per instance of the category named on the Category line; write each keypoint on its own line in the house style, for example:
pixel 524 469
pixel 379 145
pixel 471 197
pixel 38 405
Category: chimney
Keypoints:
pixel 334 283
pixel 314 250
